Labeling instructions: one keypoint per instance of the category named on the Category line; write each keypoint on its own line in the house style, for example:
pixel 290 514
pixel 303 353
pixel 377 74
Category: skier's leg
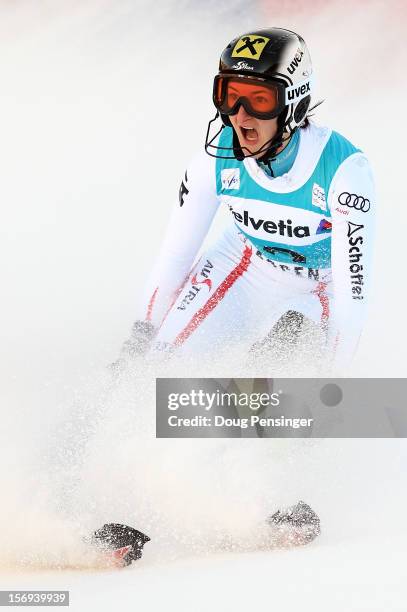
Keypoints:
pixel 232 297
pixel 213 308
pixel 300 333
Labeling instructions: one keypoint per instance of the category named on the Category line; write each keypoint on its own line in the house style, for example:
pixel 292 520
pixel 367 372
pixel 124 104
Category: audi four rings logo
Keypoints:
pixel 354 201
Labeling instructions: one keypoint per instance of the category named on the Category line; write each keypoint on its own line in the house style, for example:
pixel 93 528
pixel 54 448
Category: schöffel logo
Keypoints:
pixel 230 178
pixel 354 201
pixel 355 255
pixel 324 227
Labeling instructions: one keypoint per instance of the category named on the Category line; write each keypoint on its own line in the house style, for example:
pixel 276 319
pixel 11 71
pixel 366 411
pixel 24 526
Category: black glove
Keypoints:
pixel 114 537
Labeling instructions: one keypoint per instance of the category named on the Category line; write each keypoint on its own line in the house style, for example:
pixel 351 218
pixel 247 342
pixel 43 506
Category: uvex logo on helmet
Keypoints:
pixel 297 92
pixel 294 64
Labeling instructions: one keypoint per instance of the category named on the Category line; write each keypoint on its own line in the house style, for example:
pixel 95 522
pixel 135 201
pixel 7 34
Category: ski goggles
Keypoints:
pixel 260 98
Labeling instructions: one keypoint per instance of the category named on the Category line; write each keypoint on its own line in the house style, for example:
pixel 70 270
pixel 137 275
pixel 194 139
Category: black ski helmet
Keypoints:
pixel 277 55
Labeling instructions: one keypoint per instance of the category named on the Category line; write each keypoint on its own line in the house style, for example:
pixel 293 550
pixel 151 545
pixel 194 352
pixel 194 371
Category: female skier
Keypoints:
pixel 301 203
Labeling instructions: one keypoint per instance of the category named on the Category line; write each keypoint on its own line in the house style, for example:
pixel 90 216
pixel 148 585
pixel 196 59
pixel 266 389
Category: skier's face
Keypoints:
pixel 252 133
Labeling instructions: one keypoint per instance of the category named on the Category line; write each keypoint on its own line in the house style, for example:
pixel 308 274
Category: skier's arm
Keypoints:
pixel 190 221
pixel 351 200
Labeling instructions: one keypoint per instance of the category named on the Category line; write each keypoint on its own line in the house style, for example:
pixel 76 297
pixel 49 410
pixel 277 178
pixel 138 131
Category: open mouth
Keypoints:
pixel 250 135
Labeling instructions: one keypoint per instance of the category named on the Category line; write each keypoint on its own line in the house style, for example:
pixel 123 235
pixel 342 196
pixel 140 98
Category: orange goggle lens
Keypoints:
pixel 261 98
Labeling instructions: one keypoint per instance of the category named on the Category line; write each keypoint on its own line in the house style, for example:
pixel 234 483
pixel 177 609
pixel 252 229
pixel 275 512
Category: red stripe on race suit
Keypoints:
pixel 218 295
pixel 150 305
pixel 324 300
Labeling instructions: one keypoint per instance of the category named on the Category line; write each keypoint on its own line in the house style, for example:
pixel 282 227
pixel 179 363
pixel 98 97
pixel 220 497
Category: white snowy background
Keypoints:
pixel 102 103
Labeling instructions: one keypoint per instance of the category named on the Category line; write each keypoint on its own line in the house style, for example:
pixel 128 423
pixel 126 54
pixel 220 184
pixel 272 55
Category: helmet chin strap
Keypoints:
pixel 269 148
